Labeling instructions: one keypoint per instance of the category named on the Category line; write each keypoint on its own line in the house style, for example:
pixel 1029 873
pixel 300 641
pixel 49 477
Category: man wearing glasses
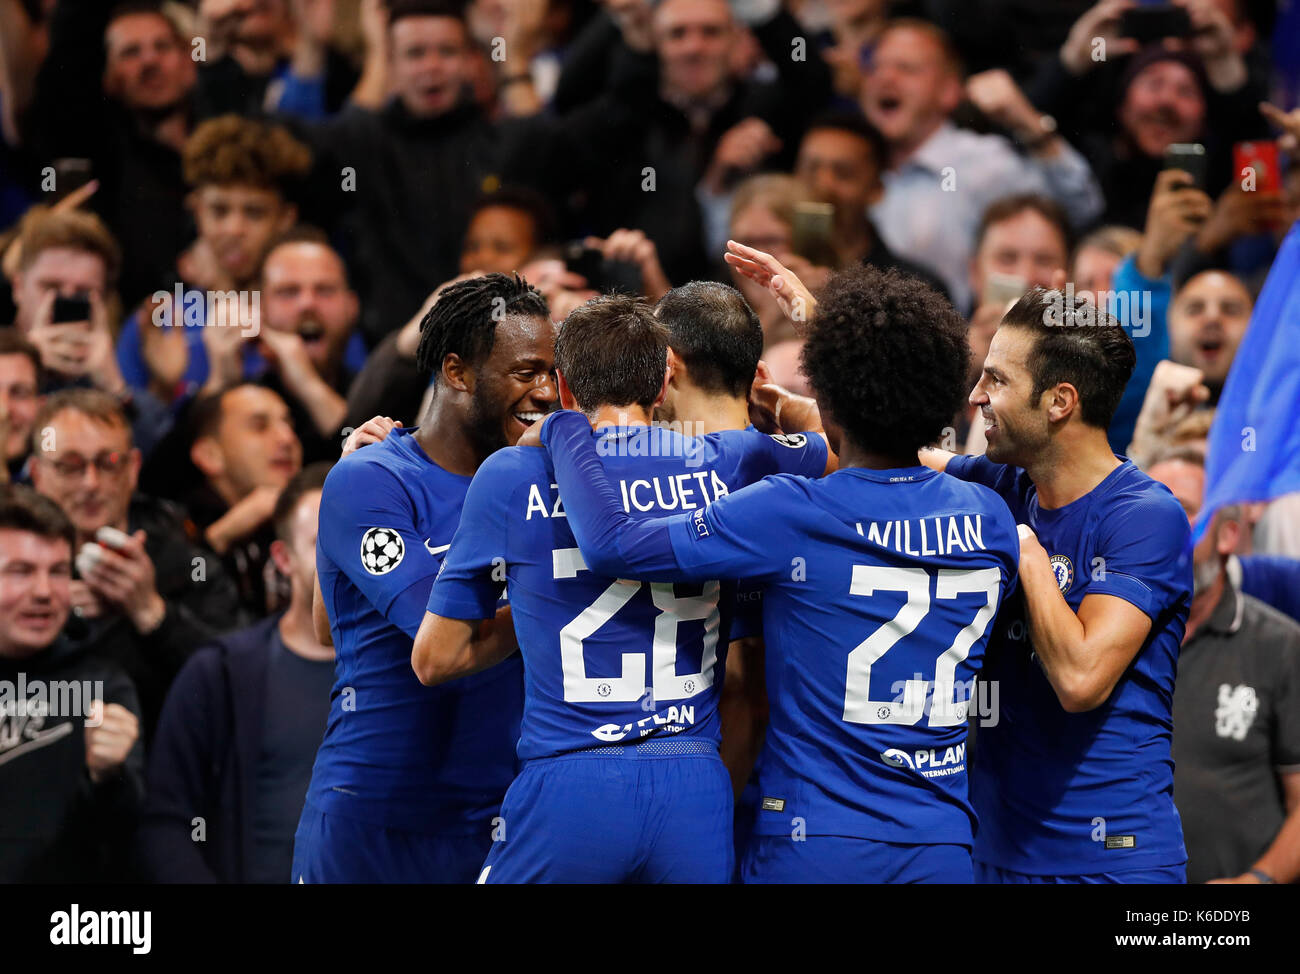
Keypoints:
pixel 143 595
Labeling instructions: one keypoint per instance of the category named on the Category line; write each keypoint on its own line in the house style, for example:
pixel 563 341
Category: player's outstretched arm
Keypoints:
pixel 447 649
pixel 1083 655
pixel 935 458
pixel 612 543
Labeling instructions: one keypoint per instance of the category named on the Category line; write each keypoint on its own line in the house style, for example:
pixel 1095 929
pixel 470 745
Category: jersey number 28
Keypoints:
pixel 665 681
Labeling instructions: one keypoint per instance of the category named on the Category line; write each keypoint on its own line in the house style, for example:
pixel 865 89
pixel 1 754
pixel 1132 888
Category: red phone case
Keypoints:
pixel 1262 158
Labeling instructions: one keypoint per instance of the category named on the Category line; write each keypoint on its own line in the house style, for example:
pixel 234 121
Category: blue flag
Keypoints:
pixel 1254 448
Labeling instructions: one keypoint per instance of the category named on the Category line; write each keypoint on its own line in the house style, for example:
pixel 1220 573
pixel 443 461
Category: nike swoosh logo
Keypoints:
pixel 435 551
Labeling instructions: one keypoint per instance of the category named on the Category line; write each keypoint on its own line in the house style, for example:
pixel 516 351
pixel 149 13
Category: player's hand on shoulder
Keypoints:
pixel 1029 545
pixel 373 430
pixel 533 435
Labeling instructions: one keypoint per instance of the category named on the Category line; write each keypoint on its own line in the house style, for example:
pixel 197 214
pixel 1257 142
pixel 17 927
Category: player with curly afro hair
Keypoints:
pixel 887 357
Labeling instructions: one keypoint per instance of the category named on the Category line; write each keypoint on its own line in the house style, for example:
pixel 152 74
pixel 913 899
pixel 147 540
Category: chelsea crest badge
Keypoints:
pixel 1064 570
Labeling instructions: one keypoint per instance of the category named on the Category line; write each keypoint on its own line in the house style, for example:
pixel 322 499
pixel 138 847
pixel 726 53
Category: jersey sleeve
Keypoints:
pixel 367 531
pixel 748 534
pixel 981 470
pixel 470 579
pixel 803 454
pixel 612 542
pixel 615 544
pixel 1143 554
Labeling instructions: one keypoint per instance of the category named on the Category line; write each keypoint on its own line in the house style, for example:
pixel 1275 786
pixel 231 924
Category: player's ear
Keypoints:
pixel 562 388
pixel 676 367
pixel 206 455
pixel 663 387
pixel 457 373
pixel 1063 402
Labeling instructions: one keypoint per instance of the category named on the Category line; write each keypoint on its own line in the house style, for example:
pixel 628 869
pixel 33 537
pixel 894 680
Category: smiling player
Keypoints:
pixel 408 778
pixel 1075 781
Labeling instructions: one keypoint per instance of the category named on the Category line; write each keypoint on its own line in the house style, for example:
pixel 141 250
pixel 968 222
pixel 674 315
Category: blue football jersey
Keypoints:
pixel 607 661
pixel 1072 794
pixel 880 587
pixel 396 753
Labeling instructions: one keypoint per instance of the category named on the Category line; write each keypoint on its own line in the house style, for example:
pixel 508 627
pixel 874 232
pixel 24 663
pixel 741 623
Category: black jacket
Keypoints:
pixel 609 146
pixel 204 761
pixel 56 825
pixel 399 189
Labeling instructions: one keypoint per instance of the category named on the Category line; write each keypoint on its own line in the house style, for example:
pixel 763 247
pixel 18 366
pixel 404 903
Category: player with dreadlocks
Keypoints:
pixel 409 778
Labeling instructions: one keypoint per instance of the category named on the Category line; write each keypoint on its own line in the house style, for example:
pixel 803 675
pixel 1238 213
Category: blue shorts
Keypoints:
pixel 840 859
pixel 333 849
pixel 1160 875
pixel 598 817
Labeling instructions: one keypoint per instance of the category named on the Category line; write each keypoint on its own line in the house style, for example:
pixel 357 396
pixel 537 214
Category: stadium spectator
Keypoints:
pixel 244 445
pixel 20 382
pixel 1143 284
pixel 506 229
pixel 241 727
pixel 1096 256
pixel 1236 710
pixel 131 129
pixel 1207 320
pixel 1023 241
pixel 70 254
pixel 241 173
pixel 679 118
pixel 1125 104
pixel 840 159
pixel 71 763
pixel 307 339
pixel 412 164
pixel 939 179
pixel 144 597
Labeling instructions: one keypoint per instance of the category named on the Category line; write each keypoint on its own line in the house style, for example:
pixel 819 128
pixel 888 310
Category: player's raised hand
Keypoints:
pixel 1288 122
pixel 373 430
pixel 762 268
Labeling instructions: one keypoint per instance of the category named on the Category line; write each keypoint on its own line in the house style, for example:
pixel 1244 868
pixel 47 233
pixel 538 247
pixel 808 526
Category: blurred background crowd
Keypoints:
pixel 221 222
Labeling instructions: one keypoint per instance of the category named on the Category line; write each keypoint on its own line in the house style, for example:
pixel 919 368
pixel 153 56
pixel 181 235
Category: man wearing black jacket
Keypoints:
pixel 70 755
pixel 403 176
pixel 145 598
pixel 223 757
pixel 677 121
